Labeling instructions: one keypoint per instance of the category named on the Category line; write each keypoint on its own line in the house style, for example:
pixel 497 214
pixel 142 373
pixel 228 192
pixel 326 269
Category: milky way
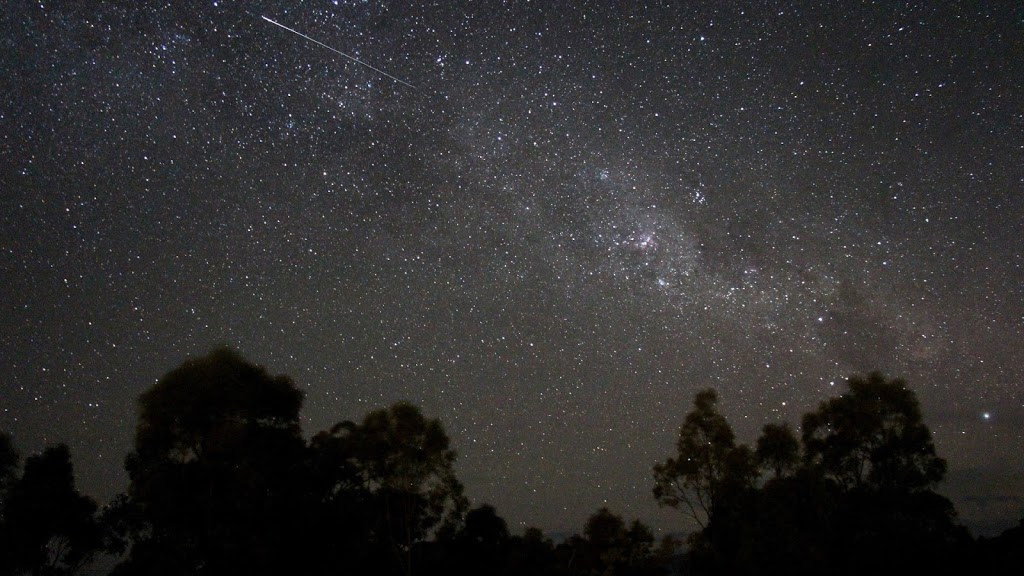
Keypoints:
pixel 583 214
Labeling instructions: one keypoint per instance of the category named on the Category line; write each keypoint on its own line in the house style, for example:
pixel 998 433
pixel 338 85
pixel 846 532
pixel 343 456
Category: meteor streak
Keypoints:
pixel 356 60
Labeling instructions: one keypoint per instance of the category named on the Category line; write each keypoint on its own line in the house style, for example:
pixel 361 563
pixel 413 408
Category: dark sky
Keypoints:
pixel 582 214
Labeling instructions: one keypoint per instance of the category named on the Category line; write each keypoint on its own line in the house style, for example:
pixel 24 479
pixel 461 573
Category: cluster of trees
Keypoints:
pixel 46 526
pixel 223 482
pixel 854 494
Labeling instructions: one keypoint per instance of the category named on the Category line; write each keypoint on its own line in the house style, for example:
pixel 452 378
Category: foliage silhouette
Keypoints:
pixel 218 450
pixel 8 466
pixel 610 546
pixel 222 482
pixel 708 463
pixel 872 443
pixel 873 437
pixel 481 545
pixel 1002 555
pixel 778 449
pixel 858 501
pixel 403 463
pixel 483 527
pixel 48 526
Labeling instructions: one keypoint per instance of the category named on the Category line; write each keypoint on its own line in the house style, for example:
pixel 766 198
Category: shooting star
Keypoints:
pixel 356 60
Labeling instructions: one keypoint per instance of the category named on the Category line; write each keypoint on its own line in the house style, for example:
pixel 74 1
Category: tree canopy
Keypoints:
pixel 47 527
pixel 778 449
pixel 222 481
pixel 873 437
pixel 707 462
pixel 217 449
pixel 404 463
pixel 8 465
pixel 852 495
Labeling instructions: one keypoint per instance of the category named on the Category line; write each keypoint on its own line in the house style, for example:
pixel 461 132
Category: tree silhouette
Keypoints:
pixel 778 449
pixel 640 544
pixel 337 512
pixel 608 542
pixel 8 467
pixel 223 483
pixel 484 528
pixel 1002 555
pixel 872 443
pixel 708 463
pixel 404 463
pixel 610 546
pixel 532 553
pixel 217 453
pixel 873 437
pixel 859 500
pixel 8 476
pixel 48 526
pixel 481 546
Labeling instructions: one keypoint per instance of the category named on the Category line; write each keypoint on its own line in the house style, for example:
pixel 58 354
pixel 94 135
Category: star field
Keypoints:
pixel 582 214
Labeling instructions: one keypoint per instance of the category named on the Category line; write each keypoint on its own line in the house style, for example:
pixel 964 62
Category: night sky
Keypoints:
pixel 581 214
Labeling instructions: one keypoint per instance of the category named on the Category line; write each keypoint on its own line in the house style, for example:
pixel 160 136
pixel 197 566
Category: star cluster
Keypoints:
pixel 581 214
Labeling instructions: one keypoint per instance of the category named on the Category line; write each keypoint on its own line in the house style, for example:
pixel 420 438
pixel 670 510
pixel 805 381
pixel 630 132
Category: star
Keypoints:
pixel 574 222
